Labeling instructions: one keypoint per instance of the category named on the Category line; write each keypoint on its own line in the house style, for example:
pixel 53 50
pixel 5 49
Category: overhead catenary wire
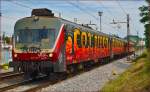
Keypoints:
pixel 121 7
pixel 85 11
pixel 20 4
pixel 108 11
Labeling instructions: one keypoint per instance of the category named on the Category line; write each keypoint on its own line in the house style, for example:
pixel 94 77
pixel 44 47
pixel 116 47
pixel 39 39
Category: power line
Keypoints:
pixel 20 4
pixel 121 7
pixel 103 6
pixel 83 10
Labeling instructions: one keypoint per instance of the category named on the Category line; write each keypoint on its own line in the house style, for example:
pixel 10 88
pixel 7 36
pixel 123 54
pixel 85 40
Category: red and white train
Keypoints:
pixel 44 43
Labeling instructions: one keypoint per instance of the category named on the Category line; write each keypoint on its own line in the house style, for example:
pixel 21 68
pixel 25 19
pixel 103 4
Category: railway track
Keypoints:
pixel 34 85
pixel 6 73
pixel 11 86
pixel 9 75
pixel 60 78
pixel 19 83
pixel 53 79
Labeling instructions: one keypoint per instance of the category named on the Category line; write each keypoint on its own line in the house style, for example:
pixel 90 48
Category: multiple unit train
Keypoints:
pixel 44 43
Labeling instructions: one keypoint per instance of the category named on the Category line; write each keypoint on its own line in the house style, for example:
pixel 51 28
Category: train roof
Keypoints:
pixel 48 13
pixel 89 29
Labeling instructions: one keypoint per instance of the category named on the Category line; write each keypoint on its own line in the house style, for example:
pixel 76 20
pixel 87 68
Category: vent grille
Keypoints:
pixel 42 12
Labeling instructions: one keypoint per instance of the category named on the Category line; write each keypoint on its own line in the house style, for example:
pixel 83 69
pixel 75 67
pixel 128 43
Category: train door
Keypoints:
pixel 70 52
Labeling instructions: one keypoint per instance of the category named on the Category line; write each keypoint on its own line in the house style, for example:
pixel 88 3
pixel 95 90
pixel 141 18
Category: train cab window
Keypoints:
pixel 43 34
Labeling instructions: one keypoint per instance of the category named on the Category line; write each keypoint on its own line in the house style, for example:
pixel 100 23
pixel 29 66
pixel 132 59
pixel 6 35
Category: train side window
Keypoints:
pixel 95 40
pixel 79 41
pixel 100 41
pixel 89 39
pixel 106 42
pixel 83 41
pixel 104 39
pixel 87 42
pixel 92 41
pixel 114 43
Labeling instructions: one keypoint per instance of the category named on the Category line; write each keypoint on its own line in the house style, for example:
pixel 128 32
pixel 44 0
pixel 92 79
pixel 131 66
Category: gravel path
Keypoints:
pixel 93 80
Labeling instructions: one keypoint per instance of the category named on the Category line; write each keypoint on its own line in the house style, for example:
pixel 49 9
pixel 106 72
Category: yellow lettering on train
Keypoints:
pixel 77 37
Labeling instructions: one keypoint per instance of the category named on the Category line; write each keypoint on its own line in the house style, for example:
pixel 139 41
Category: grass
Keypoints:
pixel 135 79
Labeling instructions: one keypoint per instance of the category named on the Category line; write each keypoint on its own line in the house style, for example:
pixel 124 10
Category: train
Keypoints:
pixel 44 44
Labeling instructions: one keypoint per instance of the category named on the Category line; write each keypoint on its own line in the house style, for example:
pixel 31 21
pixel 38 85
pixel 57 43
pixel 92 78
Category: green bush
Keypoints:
pixel 144 55
pixel 6 64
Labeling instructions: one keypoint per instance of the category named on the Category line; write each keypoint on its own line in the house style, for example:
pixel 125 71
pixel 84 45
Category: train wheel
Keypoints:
pixel 16 69
pixel 80 66
pixel 48 71
pixel 34 74
pixel 71 69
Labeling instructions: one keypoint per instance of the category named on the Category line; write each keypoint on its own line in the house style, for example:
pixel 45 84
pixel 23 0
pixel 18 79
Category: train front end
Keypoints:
pixel 36 43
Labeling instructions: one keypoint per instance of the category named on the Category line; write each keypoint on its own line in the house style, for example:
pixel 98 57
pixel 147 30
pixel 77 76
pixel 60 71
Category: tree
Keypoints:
pixel 145 14
pixel 7 40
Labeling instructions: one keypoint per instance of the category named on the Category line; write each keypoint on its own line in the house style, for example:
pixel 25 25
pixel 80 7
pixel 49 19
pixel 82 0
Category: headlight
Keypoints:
pixel 50 55
pixel 15 55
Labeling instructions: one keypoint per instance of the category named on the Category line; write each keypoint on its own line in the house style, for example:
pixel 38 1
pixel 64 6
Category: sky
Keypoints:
pixel 84 10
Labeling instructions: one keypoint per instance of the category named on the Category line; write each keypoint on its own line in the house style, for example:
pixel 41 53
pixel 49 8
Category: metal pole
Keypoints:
pixel 100 24
pixel 0 43
pixel 59 15
pixel 75 20
pixel 128 32
pixel 100 15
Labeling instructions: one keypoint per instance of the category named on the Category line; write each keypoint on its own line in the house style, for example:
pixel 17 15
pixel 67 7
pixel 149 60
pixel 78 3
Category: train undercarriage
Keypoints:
pixel 33 69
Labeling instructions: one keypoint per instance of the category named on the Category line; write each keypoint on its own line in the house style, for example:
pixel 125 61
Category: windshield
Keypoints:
pixel 34 39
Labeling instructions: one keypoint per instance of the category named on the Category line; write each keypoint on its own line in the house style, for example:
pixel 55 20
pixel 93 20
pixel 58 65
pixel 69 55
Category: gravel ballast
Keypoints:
pixel 93 80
